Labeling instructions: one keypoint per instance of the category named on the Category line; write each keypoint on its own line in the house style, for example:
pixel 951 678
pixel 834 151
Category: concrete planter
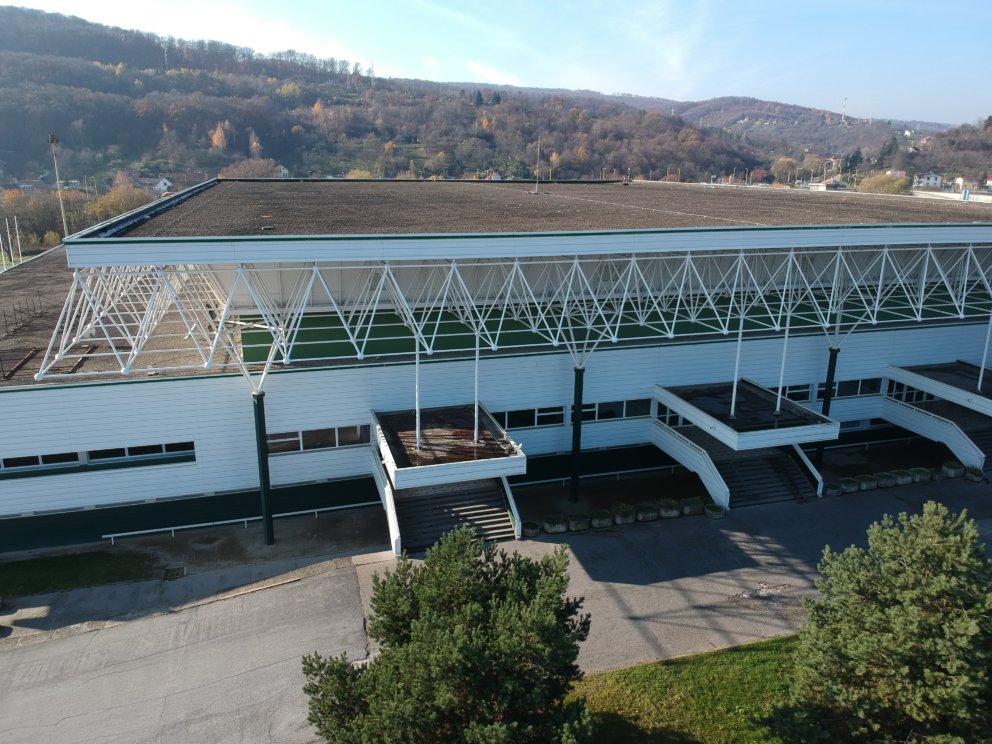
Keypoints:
pixel 867 483
pixel 692 507
pixel 848 485
pixel 920 475
pixel 555 524
pixel 669 509
pixel 903 477
pixel 885 479
pixel 623 514
pixel 530 529
pixel 832 489
pixel 601 519
pixel 953 469
pixel 578 522
pixel 646 511
pixel 974 475
pixel 714 511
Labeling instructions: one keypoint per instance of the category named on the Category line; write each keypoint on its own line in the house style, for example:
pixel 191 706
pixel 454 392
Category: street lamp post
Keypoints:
pixel 53 141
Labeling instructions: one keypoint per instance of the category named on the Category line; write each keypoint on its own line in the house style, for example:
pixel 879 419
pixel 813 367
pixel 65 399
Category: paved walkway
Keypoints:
pixel 190 665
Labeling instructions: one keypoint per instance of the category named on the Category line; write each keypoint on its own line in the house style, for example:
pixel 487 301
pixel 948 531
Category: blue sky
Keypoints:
pixel 905 60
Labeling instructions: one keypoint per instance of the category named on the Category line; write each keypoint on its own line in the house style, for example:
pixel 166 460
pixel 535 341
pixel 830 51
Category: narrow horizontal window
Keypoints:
pixel 520 419
pixel 848 388
pixel 284 442
pixel 588 411
pixel 320 439
pixel 351 435
pixel 107 454
pixel 60 458
pixel 21 462
pixel 145 451
pixel 871 386
pixel 179 447
pixel 550 416
pixel 640 407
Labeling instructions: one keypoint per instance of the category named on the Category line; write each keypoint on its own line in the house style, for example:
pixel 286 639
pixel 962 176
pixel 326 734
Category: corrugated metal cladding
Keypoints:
pixel 216 412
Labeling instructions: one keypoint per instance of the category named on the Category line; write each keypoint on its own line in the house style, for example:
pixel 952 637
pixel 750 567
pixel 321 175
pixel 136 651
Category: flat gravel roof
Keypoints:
pixel 260 208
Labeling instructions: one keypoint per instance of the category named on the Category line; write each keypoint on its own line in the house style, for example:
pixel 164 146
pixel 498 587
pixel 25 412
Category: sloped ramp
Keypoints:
pixel 425 514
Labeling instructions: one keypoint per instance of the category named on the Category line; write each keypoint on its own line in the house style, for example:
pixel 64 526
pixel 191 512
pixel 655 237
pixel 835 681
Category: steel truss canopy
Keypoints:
pixel 247 305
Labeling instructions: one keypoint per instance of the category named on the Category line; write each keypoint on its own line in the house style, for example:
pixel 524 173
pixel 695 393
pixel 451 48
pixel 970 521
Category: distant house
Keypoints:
pixel 283 171
pixel 988 182
pixel 929 180
pixel 896 173
pixel 830 184
pixel 963 183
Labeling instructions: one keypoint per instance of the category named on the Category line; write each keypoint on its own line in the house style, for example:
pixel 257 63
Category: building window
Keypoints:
pixel 554 416
pixel 100 459
pixel 637 408
pixel 287 441
pixel 317 439
pixel 610 410
pixel 798 393
pixel 520 419
pixel 529 418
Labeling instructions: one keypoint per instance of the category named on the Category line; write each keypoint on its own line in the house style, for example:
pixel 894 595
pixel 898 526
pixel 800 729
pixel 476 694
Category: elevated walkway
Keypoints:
pixel 760 419
pixel 447 477
pixel 955 410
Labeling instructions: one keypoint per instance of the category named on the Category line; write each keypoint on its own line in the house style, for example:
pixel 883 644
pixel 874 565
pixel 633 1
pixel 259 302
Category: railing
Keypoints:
pixel 514 514
pixel 809 470
pixel 386 494
pixel 112 536
pixel 695 458
pixel 935 427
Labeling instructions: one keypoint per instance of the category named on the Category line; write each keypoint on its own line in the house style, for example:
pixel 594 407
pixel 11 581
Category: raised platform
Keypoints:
pixel 755 422
pixel 956 382
pixel 448 451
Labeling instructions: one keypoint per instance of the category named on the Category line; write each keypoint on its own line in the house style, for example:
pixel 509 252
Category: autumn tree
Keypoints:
pixel 260 168
pixel 477 646
pixel 783 169
pixel 122 197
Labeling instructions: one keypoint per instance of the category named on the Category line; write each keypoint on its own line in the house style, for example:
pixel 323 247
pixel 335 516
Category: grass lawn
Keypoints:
pixel 711 697
pixel 61 572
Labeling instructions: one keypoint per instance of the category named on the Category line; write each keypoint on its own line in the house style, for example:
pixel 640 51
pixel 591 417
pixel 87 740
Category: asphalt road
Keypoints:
pixel 227 671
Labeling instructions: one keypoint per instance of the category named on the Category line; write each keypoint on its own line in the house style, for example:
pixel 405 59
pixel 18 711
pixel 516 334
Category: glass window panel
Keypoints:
pixel 847 388
pixel 144 451
pixel 179 447
pixel 284 442
pixel 640 407
pixel 588 411
pixel 871 386
pixel 500 418
pixel 550 416
pixel 320 439
pixel 520 419
pixel 610 410
pixel 21 462
pixel 107 454
pixel 60 458
pixel 352 435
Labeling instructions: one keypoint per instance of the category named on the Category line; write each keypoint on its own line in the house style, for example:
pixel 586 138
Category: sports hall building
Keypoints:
pixel 247 349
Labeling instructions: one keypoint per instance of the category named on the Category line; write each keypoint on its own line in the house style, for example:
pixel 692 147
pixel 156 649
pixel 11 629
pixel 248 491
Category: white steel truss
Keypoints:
pixel 248 317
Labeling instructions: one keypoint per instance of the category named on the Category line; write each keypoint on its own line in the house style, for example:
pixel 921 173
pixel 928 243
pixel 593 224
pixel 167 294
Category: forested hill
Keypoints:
pixel 124 99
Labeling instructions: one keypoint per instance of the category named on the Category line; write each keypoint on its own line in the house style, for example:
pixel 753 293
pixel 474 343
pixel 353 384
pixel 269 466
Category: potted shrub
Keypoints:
pixel 601 519
pixel 903 477
pixel 646 511
pixel 920 475
pixel 848 485
pixel 578 522
pixel 714 511
pixel 885 479
pixel 692 506
pixel 832 489
pixel 867 482
pixel 530 529
pixel 623 513
pixel 555 524
pixel 974 474
pixel 669 508
pixel 953 469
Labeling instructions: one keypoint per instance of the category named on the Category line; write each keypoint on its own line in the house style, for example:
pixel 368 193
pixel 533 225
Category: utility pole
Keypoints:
pixel 53 141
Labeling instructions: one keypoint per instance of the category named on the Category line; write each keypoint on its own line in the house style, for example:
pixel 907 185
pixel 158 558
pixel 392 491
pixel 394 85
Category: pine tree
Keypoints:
pixel 477 646
pixel 899 647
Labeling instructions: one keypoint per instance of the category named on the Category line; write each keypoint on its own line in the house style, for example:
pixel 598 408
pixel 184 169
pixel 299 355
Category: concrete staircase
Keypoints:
pixel 424 514
pixel 760 476
pixel 982 437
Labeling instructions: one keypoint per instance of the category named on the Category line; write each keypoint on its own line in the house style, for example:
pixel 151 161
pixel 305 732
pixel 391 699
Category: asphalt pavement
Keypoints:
pixel 215 655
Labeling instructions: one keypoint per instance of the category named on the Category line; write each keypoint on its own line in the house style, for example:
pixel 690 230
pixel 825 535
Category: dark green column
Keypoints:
pixel 577 432
pixel 262 448
pixel 828 396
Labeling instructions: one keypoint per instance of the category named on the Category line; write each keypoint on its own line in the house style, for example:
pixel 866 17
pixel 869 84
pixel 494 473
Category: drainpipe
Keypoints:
pixel 262 448
pixel 577 432
pixel 828 395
